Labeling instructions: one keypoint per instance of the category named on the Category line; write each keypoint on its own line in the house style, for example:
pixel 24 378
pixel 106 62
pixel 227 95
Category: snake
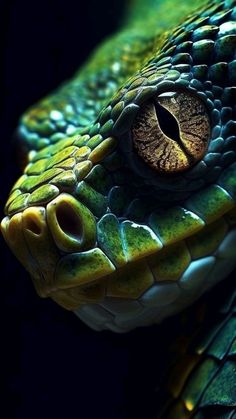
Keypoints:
pixel 125 212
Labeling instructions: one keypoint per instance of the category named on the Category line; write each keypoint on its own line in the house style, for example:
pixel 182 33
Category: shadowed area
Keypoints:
pixel 91 241
pixel 69 222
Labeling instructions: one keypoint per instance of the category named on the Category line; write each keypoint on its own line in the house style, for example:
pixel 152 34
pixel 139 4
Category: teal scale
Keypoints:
pixel 126 210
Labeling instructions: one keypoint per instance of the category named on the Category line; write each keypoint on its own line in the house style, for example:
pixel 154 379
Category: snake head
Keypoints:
pixel 132 217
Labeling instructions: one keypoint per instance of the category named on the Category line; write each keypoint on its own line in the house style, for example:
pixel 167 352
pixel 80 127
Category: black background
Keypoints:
pixel 52 364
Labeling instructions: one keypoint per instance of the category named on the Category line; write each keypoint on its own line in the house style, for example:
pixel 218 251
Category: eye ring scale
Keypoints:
pixel 171 132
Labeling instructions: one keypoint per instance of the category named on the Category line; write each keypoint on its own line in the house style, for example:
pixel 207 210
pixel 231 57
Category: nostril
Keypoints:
pixel 69 222
pixel 72 225
pixel 32 225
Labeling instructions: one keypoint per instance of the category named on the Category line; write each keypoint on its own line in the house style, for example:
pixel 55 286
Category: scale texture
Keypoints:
pixel 126 210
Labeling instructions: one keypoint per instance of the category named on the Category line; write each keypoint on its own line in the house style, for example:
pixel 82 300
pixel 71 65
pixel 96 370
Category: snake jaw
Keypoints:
pixel 101 248
pixel 78 259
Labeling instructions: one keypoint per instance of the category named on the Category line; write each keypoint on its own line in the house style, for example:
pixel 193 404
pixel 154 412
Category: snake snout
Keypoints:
pixel 40 237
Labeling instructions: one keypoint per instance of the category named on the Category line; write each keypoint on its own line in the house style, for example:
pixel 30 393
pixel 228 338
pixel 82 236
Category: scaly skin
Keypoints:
pixel 109 224
pixel 199 380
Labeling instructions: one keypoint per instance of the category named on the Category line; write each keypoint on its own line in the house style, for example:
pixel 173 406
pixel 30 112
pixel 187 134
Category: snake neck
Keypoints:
pixel 161 14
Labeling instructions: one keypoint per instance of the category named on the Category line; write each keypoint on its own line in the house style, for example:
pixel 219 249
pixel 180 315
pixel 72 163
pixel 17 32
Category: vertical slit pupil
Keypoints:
pixel 167 122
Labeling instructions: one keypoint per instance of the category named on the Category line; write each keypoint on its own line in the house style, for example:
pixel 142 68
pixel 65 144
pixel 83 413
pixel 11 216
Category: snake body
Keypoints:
pixel 126 210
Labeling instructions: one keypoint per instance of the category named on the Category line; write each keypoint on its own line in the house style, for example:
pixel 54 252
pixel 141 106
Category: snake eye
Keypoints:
pixel 171 132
